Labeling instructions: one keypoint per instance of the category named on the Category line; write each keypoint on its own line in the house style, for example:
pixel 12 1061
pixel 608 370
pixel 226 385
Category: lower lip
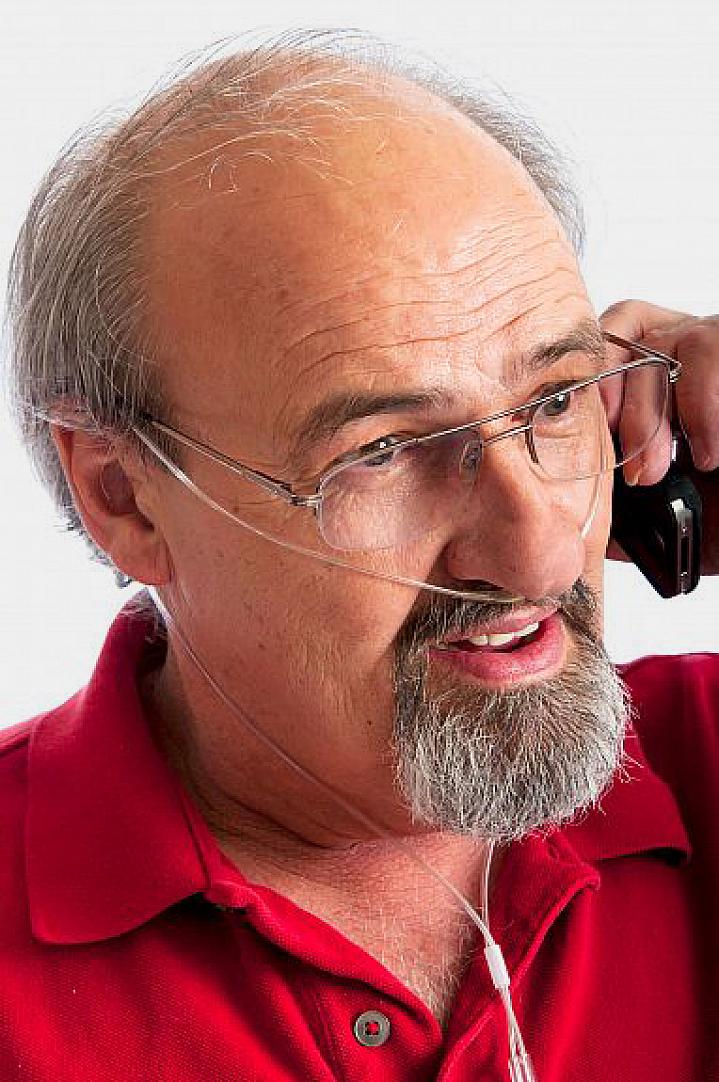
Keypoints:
pixel 543 656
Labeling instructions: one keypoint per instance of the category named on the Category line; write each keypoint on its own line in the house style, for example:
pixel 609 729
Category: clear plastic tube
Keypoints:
pixel 520 1068
pixel 336 561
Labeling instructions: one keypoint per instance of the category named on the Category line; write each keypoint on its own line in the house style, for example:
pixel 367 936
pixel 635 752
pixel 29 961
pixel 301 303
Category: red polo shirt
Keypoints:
pixel 131 949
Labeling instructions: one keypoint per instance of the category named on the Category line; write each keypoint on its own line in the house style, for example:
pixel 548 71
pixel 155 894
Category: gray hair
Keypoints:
pixel 77 302
pixel 503 763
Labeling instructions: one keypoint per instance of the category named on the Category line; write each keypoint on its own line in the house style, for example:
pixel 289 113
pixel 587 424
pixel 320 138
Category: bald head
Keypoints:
pixel 307 136
pixel 279 261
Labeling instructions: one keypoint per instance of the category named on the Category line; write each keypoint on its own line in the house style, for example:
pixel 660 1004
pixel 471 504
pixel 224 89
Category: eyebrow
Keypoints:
pixel 331 414
pixel 586 337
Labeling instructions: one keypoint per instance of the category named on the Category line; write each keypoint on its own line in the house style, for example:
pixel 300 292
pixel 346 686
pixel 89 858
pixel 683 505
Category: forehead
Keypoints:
pixel 407 247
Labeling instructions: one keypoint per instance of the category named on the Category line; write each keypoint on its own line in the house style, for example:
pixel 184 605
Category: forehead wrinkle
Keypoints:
pixel 426 339
pixel 330 416
pixel 506 325
pixel 434 275
pixel 450 329
pixel 333 413
pixel 456 325
pixel 391 276
pixel 489 265
pixel 489 260
pixel 430 276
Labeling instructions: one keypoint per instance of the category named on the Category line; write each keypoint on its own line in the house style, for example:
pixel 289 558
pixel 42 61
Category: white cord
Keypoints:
pixel 520 1069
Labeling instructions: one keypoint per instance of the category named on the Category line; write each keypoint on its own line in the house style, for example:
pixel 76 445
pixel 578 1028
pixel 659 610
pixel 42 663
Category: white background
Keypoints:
pixel 630 89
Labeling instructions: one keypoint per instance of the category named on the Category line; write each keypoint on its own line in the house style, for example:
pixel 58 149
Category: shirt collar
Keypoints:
pixel 108 844
pixel 112 840
pixel 637 814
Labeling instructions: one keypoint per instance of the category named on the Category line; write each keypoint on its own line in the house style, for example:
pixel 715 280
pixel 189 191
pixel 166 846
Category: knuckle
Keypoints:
pixel 702 337
pixel 621 308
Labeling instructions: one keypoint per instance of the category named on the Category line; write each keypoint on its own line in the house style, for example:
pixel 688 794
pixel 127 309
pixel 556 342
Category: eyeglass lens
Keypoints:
pixel 397 495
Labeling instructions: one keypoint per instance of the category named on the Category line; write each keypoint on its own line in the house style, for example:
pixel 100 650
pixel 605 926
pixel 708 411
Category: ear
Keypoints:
pixel 105 482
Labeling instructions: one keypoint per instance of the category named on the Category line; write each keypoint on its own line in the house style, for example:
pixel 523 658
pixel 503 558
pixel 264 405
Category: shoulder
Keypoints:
pixel 682 688
pixel 16 749
pixel 675 711
pixel 671 665
pixel 14 745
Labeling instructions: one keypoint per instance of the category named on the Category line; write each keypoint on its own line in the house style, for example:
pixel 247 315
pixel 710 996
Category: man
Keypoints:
pixel 374 662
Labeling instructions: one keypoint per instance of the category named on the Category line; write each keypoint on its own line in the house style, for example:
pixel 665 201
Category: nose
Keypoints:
pixel 520 531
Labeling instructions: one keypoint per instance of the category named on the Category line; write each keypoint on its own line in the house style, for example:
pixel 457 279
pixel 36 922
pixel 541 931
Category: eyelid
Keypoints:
pixel 370 447
pixel 575 366
pixel 546 391
pixel 549 390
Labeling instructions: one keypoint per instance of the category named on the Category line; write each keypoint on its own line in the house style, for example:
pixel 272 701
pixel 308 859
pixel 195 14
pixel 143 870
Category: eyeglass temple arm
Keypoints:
pixel 263 480
pixel 674 365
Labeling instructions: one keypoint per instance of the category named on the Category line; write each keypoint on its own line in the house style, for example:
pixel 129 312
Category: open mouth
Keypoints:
pixel 516 650
pixel 504 642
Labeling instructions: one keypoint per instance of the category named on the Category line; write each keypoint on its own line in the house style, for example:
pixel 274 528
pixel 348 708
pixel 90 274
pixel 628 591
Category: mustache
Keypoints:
pixel 442 617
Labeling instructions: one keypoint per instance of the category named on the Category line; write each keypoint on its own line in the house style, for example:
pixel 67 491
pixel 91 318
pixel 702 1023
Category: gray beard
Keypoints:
pixel 501 764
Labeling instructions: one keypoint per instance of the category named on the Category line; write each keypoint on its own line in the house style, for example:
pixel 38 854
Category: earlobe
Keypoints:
pixel 104 488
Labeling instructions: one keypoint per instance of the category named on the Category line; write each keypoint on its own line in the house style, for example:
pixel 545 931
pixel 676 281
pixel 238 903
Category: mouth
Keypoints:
pixel 521 648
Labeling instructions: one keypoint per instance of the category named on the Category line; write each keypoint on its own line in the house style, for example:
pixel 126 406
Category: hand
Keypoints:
pixel 695 343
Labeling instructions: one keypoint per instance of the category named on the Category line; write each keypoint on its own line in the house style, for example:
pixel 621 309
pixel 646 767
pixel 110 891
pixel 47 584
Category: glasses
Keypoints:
pixel 395 490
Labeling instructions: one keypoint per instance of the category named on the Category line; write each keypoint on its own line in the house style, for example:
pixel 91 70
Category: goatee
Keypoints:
pixel 501 764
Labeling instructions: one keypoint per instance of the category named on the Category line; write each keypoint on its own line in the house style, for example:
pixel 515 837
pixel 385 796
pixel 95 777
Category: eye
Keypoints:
pixel 381 452
pixel 562 400
pixel 558 404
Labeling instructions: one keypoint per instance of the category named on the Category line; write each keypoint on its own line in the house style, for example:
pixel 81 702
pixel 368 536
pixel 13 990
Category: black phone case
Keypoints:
pixel 659 528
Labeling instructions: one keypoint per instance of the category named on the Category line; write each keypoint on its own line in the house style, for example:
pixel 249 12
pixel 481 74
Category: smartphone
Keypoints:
pixel 659 527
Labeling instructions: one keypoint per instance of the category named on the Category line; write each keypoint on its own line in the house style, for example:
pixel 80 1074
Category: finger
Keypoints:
pixel 616 552
pixel 650 465
pixel 644 430
pixel 612 392
pixel 612 389
pixel 636 319
pixel 697 390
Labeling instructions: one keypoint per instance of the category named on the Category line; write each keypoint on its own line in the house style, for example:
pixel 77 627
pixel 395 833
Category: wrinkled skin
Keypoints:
pixel 419 255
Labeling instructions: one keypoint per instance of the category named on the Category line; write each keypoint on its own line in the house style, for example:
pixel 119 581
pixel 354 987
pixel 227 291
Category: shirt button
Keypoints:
pixel 371 1028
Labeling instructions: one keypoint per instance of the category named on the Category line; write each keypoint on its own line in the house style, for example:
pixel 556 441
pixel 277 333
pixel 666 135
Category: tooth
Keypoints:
pixel 500 640
pixel 503 639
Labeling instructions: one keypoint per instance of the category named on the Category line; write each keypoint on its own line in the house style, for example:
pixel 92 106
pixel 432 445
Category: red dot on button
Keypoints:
pixel 371 1029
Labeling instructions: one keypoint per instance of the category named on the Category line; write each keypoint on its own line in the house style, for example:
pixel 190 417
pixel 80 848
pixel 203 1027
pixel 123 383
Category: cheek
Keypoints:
pixel 274 617
pixel 599 520
pixel 278 627
pixel 595 543
pixel 315 653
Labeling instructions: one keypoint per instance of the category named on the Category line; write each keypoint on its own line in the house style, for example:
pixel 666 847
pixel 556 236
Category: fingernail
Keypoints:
pixel 632 473
pixel 701 454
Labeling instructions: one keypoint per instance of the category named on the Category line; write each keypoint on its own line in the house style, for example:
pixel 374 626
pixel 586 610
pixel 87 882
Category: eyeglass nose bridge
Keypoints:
pixel 474 447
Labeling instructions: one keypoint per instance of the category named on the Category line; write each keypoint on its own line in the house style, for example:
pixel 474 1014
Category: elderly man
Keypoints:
pixel 302 346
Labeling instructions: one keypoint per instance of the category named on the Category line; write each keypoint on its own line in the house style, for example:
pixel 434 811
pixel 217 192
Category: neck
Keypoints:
pixel 282 831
